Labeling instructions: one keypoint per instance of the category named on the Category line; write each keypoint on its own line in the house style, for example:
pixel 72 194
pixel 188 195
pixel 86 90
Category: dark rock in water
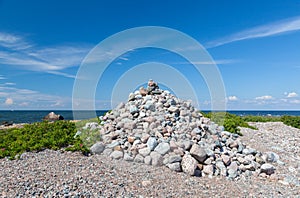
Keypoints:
pixel 5 123
pixel 53 117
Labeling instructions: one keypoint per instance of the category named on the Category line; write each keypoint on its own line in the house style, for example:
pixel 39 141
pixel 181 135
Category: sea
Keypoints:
pixel 31 116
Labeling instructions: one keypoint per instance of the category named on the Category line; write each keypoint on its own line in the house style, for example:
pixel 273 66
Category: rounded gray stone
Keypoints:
pixel 162 148
pixel 145 151
pixel 175 166
pixel 152 143
pixel 98 148
pixel 116 154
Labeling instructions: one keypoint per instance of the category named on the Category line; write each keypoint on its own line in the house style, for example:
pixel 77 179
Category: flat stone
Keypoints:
pixel 116 154
pixel 267 169
pixel 175 166
pixel 144 151
pixel 113 145
pixel 173 109
pixel 249 151
pixel 174 158
pixel 107 151
pixel 162 148
pixel 189 164
pixel 198 153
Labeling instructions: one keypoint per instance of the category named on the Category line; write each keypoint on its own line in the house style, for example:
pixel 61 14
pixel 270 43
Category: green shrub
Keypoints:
pixel 293 121
pixel 39 136
pixel 230 122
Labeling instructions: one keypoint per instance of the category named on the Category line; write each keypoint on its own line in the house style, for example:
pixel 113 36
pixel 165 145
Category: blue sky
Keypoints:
pixel 255 45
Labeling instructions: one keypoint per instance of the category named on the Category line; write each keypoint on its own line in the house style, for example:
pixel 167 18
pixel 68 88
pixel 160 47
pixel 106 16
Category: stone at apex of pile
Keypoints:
pixel 156 128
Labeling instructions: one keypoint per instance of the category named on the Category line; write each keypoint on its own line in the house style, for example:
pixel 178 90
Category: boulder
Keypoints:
pixel 53 117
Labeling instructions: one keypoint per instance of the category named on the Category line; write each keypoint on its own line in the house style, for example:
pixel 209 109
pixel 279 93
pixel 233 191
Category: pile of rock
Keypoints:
pixel 156 128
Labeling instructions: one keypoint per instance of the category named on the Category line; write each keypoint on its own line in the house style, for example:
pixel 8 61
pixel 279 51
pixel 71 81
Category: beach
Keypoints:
pixel 66 174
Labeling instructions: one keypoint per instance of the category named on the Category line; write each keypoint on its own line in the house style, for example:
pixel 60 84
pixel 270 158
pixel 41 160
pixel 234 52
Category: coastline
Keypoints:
pixel 55 173
pixel 31 116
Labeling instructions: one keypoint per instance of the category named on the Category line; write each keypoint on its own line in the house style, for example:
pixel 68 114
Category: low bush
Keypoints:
pixel 39 136
pixel 293 121
pixel 230 122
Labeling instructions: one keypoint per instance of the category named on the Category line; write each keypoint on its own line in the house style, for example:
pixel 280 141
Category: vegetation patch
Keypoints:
pixel 293 121
pixel 230 121
pixel 39 136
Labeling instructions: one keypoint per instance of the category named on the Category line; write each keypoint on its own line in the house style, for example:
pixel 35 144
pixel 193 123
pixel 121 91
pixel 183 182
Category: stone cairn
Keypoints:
pixel 156 128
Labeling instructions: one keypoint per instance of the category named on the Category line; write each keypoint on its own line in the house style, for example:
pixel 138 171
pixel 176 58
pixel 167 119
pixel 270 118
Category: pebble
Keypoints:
pixel 98 148
pixel 267 168
pixel 116 154
pixel 162 148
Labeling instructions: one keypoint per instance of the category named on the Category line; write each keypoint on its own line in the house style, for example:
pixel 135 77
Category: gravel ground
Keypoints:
pixel 64 174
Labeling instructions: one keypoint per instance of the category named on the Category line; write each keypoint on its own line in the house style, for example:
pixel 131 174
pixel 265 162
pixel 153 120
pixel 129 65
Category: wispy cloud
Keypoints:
pixel 18 52
pixel 276 28
pixel 266 97
pixel 10 83
pixel 217 62
pixel 23 98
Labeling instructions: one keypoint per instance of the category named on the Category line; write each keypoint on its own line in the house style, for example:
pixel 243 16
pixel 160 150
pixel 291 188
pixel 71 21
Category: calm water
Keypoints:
pixel 37 116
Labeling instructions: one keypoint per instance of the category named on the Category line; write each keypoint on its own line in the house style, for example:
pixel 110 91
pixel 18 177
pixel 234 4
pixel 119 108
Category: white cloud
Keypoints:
pixel 26 98
pixel 27 56
pixel 9 101
pixel 24 104
pixel 8 38
pixel 217 62
pixel 295 101
pixel 2 77
pixel 57 104
pixel 10 83
pixel 266 97
pixel 124 58
pixel 232 98
pixel 292 95
pixel 279 27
